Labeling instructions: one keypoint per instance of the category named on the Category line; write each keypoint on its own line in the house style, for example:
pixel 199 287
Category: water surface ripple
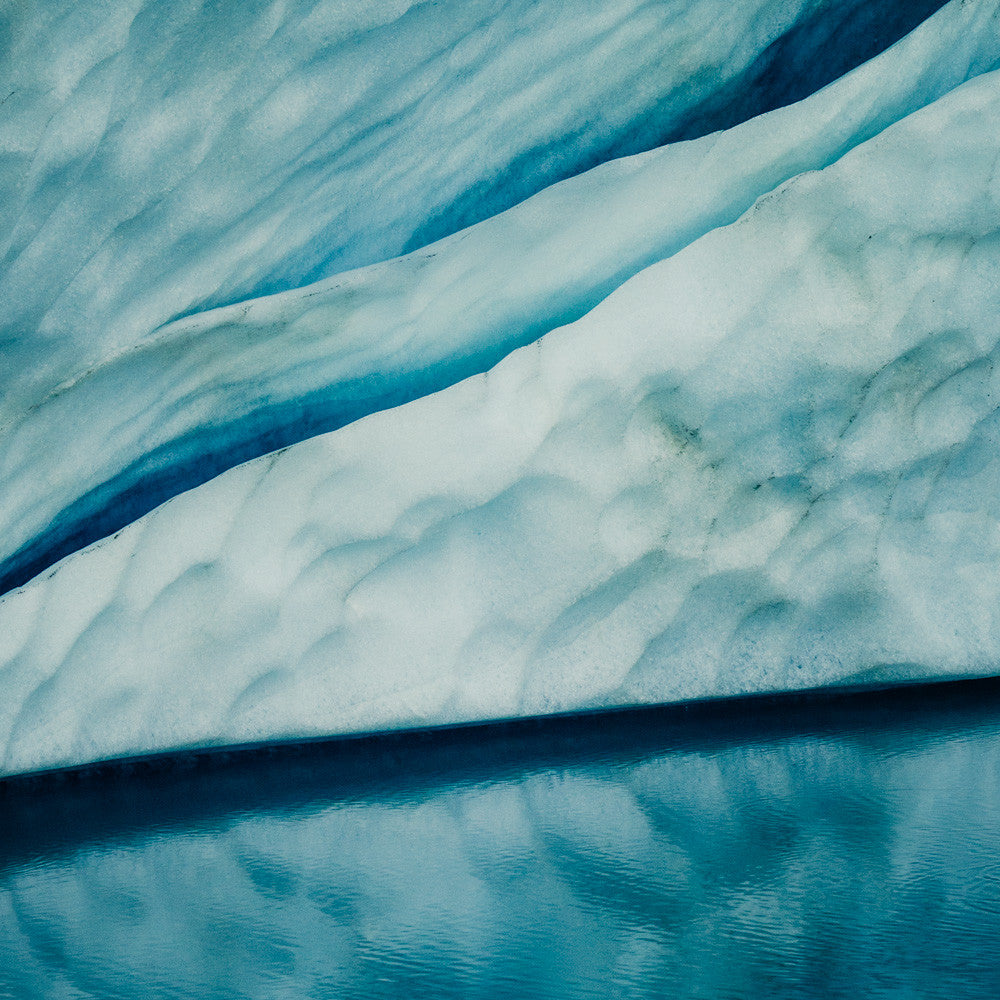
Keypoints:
pixel 844 848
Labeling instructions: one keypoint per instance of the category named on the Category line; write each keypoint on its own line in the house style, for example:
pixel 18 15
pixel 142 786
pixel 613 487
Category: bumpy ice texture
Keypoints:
pixel 765 463
pixel 224 386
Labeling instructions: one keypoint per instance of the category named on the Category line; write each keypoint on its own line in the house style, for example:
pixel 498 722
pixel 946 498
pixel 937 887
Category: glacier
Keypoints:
pixel 160 156
pixel 766 462
pixel 714 419
pixel 202 394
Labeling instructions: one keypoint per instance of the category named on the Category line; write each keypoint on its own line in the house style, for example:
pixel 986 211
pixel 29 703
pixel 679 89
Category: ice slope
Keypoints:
pixel 216 389
pixel 767 462
pixel 157 156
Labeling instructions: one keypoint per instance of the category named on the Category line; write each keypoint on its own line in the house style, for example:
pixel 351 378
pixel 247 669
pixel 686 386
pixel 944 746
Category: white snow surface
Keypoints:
pixel 210 385
pixel 768 462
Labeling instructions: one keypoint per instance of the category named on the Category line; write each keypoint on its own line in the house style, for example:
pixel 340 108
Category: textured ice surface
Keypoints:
pixel 210 391
pixel 160 155
pixel 767 462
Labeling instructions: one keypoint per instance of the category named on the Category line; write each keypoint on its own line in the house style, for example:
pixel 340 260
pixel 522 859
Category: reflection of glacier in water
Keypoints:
pixel 848 849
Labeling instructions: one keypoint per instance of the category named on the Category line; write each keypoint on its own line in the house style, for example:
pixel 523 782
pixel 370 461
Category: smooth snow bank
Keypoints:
pixel 767 463
pixel 158 156
pixel 216 389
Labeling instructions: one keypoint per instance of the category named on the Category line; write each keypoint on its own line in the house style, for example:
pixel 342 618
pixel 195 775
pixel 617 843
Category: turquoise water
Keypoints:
pixel 848 848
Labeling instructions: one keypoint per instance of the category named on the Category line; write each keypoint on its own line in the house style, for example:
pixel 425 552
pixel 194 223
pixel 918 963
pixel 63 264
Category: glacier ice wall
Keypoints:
pixel 764 463
pixel 227 385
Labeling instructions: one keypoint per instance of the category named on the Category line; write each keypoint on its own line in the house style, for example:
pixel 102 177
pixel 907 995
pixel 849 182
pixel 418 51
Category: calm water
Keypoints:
pixel 843 849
